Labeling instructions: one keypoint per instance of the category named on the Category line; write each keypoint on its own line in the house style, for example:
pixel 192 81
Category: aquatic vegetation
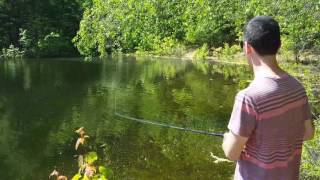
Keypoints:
pixel 88 168
pixel 87 163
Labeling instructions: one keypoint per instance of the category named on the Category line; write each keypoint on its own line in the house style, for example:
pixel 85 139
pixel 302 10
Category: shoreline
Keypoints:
pixel 210 59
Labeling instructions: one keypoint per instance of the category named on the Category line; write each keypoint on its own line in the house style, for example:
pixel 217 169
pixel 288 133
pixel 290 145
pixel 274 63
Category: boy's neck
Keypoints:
pixel 267 66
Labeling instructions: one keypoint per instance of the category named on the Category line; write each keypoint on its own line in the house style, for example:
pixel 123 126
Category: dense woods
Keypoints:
pixel 100 27
pixel 39 28
pixel 160 26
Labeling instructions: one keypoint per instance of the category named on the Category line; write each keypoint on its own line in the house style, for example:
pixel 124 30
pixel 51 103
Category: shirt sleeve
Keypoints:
pixel 243 117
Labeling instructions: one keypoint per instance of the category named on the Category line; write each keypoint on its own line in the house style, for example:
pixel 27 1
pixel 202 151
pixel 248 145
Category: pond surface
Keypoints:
pixel 42 102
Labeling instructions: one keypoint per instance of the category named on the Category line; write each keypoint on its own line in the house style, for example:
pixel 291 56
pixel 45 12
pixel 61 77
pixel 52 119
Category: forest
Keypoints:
pixel 61 28
pixel 103 28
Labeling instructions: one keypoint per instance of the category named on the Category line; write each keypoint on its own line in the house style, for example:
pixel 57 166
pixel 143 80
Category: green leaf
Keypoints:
pixel 102 177
pixel 103 170
pixel 76 177
pixel 107 172
pixel 99 177
pixel 86 178
pixel 91 157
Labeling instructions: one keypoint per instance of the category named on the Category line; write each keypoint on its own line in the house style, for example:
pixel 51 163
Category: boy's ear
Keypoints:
pixel 248 48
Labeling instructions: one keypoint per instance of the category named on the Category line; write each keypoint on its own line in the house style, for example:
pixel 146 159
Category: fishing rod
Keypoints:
pixel 145 121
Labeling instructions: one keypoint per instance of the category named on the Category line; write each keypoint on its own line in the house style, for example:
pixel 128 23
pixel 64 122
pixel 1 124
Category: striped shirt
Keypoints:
pixel 271 113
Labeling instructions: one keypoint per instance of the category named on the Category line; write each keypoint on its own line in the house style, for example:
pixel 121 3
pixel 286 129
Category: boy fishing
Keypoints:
pixel 271 117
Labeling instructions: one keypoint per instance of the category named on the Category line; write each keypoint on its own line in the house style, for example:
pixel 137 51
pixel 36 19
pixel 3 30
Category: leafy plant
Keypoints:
pixel 201 53
pixel 54 45
pixel 87 163
pixel 11 52
pixel 25 41
pixel 310 168
pixel 227 52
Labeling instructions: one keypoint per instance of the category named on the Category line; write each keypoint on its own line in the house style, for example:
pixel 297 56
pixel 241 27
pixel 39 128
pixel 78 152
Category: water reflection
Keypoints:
pixel 43 101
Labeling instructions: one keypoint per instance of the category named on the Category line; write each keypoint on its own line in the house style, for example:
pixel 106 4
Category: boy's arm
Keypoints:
pixel 309 130
pixel 233 145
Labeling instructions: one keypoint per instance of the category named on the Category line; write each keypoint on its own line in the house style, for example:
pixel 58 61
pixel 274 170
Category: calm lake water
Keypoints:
pixel 42 102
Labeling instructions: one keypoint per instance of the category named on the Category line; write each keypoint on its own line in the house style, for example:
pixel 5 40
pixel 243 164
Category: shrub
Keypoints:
pixel 55 45
pixel 25 42
pixel 201 53
pixel 11 52
pixel 227 52
pixel 310 168
pixel 165 47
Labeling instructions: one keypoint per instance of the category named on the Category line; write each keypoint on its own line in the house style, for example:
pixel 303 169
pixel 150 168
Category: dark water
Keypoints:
pixel 42 102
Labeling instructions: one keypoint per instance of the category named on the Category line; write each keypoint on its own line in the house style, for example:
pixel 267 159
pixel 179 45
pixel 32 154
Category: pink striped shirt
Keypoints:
pixel 271 113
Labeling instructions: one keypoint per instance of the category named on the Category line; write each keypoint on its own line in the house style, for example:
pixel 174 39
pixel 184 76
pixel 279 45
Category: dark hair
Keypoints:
pixel 263 34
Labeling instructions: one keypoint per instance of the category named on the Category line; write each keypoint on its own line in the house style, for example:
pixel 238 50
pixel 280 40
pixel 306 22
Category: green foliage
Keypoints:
pixel 310 168
pixel 24 40
pixel 227 52
pixel 201 53
pixel 149 26
pixel 87 162
pixel 106 172
pixel 91 157
pixel 77 176
pixel 299 21
pixel 11 52
pixel 165 47
pixel 210 23
pixel 159 27
pixel 24 23
pixel 54 45
pixel 103 171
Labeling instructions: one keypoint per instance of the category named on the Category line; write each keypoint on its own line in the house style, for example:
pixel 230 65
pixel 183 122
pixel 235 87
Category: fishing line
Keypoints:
pixel 155 123
pixel 145 121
